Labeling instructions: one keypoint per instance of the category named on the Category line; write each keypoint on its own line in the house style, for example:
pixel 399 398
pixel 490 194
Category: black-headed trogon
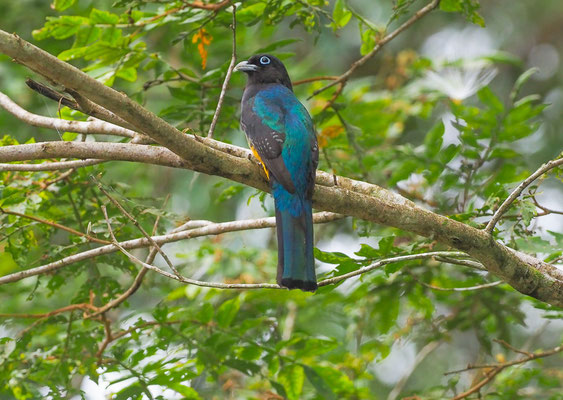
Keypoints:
pixel 281 135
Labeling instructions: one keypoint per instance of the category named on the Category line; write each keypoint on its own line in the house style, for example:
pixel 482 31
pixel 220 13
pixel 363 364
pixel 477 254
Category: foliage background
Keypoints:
pixel 354 341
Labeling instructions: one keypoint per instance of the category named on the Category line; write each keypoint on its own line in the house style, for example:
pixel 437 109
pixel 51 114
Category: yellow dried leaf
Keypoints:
pixel 202 38
pixel 332 131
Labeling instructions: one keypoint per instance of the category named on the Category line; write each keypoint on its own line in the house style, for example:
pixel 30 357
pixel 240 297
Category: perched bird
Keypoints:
pixel 281 135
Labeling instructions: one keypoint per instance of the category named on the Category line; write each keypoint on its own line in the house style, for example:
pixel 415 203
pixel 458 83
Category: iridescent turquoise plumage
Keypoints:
pixel 281 132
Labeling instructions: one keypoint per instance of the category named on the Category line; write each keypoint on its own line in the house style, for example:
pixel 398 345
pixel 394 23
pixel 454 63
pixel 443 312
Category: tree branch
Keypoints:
pixel 382 42
pixel 54 225
pixel 49 166
pixel 205 230
pixel 516 192
pixel 498 368
pixel 62 125
pixel 526 274
pixel 227 76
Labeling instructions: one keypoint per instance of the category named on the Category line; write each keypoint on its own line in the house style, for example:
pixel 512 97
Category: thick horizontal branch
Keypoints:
pixel 525 273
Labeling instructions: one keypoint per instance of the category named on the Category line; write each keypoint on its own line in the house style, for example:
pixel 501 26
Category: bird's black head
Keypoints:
pixel 264 68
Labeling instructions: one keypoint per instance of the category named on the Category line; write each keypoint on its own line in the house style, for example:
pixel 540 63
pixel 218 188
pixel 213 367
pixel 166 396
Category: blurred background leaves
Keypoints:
pixel 450 114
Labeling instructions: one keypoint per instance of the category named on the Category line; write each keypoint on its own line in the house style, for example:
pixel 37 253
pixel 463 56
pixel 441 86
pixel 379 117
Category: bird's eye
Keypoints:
pixel 264 60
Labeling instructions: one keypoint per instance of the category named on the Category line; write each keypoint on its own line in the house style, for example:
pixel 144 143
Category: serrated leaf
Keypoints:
pixel 61 5
pixel 73 53
pixel 330 257
pixel 103 17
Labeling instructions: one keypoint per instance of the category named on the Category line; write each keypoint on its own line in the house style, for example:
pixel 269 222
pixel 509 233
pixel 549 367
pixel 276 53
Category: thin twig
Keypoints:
pixel 422 354
pixel 136 223
pixel 72 307
pixel 380 263
pixel 262 285
pixel 383 41
pixel 64 175
pixel 466 263
pixel 54 225
pixel 108 336
pixel 138 279
pixel 315 79
pixel 63 125
pixel 227 77
pixel 50 166
pixel 511 347
pixel 506 204
pixel 497 368
pixel 458 289
pixel 179 277
pixel 215 7
pixel 206 230
pixel 545 209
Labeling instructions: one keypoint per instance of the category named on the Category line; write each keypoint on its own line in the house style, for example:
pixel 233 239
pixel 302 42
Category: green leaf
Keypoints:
pixel 488 98
pixel 341 15
pixel 128 74
pixel 446 155
pixel 61 5
pixel 103 17
pixel 292 377
pixel 522 79
pixel 403 171
pixel 134 391
pixel 466 7
pixel 433 140
pixel 186 391
pixel 279 388
pixel 227 312
pixel 322 387
pixel 451 5
pixel 246 367
pixel 60 28
pixel 330 257
pixel 205 313
pixel 558 238
pixel 73 53
pixel 534 245
pixel 69 136
pixel 368 41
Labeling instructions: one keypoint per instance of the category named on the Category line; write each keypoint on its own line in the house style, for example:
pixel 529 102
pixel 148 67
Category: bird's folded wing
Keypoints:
pixel 268 143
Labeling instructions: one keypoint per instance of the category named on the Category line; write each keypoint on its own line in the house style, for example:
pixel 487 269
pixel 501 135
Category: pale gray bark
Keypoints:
pixel 525 273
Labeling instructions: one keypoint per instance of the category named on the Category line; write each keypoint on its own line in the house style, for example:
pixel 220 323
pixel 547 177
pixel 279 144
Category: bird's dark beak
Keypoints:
pixel 245 66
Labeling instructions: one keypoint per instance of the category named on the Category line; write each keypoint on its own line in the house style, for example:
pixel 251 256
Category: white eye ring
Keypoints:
pixel 264 60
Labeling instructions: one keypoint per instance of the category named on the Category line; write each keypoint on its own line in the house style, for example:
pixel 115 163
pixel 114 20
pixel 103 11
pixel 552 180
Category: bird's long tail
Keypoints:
pixel 296 263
